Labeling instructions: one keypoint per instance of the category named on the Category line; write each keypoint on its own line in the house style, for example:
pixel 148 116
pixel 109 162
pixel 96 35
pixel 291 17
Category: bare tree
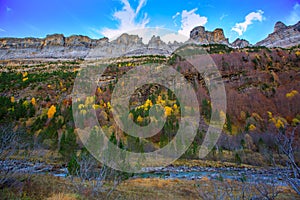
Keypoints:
pixel 268 191
pixel 10 144
pixel 286 144
pixel 90 178
pixel 237 190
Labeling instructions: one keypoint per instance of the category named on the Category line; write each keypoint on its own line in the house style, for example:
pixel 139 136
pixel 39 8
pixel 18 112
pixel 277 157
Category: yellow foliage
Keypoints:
pixel 175 106
pixel 291 94
pixel 168 111
pixel 25 79
pixel 158 99
pixel 252 127
pixel 148 104
pixel 139 119
pixel 25 74
pixel 257 117
pixel 279 124
pixel 99 91
pixel 12 99
pixel 96 107
pixel 25 104
pixel 108 105
pixel 49 86
pixel 51 112
pixel 272 119
pixel 270 114
pixel 295 121
pixel 33 101
pixel 297 53
pixel 81 106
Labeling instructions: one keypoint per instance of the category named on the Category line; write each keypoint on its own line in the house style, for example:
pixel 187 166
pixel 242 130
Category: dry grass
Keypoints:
pixel 155 188
pixel 54 188
pixel 63 196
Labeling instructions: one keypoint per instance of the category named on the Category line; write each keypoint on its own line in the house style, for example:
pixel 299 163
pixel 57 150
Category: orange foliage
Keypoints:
pixel 33 101
pixel 51 112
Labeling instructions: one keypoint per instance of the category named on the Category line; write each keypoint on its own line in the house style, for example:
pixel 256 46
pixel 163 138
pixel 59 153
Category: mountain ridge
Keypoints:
pixel 58 46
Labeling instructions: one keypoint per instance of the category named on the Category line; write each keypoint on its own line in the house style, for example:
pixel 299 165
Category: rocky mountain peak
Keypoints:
pixel 127 39
pixel 283 36
pixel 156 42
pixel 240 43
pixel 279 26
pixel 201 36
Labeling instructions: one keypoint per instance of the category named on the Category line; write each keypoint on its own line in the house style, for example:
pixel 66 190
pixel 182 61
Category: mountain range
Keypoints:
pixel 58 46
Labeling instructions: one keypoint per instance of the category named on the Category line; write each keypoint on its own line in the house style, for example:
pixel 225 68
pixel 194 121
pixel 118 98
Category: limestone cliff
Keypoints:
pixel 240 43
pixel 77 46
pixel 201 36
pixel 283 36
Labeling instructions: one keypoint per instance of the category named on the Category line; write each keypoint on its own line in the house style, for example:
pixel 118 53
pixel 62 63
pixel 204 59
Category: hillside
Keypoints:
pixel 46 129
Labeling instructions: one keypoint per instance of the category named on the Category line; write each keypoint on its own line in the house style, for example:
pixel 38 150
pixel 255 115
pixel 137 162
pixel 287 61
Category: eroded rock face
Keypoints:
pixel 78 46
pixel 240 43
pixel 201 36
pixel 279 26
pixel 283 36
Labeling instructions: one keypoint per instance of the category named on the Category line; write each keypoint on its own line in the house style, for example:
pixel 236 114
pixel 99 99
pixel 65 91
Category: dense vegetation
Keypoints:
pixel 36 99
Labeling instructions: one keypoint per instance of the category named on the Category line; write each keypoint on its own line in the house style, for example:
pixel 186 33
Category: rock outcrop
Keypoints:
pixel 57 46
pixel 60 47
pixel 240 43
pixel 283 36
pixel 201 36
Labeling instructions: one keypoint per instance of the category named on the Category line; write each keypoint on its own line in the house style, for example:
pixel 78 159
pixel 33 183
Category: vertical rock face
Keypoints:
pixel 77 46
pixel 201 36
pixel 283 36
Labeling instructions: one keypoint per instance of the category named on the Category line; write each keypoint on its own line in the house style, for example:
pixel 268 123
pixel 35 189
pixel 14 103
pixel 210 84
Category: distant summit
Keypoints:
pixel 240 43
pixel 283 36
pixel 200 36
pixel 57 46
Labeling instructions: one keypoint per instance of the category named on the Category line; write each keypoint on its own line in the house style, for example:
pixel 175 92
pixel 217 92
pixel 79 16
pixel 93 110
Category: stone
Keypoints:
pixel 240 43
pixel 283 36
pixel 201 36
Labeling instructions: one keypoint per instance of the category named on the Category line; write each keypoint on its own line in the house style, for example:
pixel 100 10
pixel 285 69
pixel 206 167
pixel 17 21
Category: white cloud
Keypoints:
pixel 128 19
pixel 240 28
pixel 294 16
pixel 2 30
pixel 130 22
pixel 176 15
pixel 174 18
pixel 189 20
pixel 8 9
pixel 223 16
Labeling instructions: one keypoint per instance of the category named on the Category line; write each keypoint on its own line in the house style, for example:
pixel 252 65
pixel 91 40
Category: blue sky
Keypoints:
pixel 249 19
